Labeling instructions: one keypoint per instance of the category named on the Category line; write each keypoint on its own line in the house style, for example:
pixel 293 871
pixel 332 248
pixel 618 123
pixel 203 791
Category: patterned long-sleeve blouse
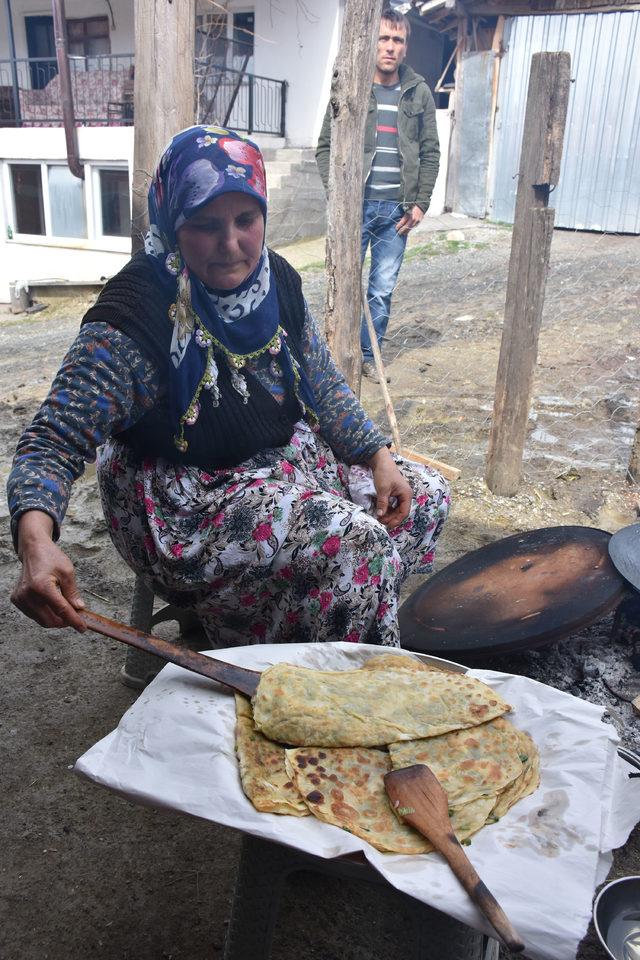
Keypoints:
pixel 106 384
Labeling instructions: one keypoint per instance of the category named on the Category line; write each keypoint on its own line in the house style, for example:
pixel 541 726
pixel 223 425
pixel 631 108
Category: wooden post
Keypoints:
pixel 164 92
pixel 350 90
pixel 540 158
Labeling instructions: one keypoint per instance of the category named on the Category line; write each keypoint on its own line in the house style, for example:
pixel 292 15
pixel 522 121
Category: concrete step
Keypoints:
pixel 293 154
pixel 284 166
pixel 293 234
pixel 295 181
pixel 301 212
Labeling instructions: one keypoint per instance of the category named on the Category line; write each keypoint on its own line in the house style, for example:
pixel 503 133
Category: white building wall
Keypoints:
pixel 443 120
pixel 298 44
pixel 60 259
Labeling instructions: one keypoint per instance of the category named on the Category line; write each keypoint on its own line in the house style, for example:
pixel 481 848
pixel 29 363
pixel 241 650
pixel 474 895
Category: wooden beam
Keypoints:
pixel 523 9
pixel 545 118
pixel 164 92
pixel 350 89
pixel 438 85
pixel 497 50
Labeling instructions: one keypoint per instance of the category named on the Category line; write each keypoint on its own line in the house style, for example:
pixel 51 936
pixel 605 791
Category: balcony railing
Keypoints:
pixel 242 101
pixel 30 94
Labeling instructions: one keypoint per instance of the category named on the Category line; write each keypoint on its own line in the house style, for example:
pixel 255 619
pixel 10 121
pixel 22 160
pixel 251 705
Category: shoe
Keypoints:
pixel 369 371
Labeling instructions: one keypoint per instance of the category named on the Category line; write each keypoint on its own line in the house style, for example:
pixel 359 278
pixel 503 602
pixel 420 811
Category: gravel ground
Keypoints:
pixel 86 873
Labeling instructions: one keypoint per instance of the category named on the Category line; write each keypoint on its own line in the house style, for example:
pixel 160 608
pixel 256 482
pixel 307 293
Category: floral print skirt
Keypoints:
pixel 275 550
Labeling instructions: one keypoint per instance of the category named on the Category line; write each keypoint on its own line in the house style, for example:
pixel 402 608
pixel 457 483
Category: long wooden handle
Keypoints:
pixel 382 376
pixel 238 678
pixel 418 798
pixel 480 893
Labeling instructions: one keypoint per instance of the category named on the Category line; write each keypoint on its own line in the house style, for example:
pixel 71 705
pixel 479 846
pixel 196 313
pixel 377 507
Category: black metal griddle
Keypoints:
pixel 515 594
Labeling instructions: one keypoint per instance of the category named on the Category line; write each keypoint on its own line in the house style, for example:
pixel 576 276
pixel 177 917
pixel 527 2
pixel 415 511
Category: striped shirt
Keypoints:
pixel 383 182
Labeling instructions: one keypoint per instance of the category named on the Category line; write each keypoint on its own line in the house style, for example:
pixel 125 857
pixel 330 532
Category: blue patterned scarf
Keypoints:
pixel 233 326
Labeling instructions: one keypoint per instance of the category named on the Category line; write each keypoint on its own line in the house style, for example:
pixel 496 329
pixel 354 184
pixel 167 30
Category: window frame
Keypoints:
pixel 86 36
pixel 96 196
pixel 95 239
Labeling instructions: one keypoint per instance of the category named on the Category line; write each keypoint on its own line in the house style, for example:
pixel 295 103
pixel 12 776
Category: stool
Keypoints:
pixel 140 668
pixel 262 871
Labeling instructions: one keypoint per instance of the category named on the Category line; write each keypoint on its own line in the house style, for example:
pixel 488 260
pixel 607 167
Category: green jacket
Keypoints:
pixel 417 140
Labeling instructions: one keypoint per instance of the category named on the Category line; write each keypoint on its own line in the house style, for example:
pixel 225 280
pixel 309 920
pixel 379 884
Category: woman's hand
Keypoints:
pixel 46 591
pixel 389 482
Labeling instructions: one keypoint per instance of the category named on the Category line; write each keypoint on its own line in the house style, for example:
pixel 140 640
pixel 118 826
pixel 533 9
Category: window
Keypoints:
pixel 243 31
pixel 89 37
pixel 46 200
pixel 66 202
pixel 115 218
pixel 211 36
pixel 26 182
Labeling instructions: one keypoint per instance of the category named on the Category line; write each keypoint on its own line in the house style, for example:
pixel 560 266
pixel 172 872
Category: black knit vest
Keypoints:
pixel 223 436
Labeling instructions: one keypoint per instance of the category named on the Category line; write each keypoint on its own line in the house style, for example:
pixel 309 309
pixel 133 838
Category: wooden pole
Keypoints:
pixel 545 117
pixel 350 90
pixel 164 92
pixel 498 52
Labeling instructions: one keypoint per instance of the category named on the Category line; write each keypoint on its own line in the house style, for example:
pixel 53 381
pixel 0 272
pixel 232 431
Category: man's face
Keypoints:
pixel 392 47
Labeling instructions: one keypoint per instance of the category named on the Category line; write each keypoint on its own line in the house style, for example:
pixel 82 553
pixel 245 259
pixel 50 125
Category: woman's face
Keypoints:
pixel 222 242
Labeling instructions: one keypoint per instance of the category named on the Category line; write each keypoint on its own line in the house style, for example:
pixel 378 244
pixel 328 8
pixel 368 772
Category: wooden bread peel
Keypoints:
pixel 418 799
pixel 238 678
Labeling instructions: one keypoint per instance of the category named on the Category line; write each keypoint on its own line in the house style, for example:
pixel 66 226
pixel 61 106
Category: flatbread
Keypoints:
pixel 526 783
pixel 470 763
pixel 262 770
pixel 368 708
pixel 344 786
pixel 468 818
pixel 400 661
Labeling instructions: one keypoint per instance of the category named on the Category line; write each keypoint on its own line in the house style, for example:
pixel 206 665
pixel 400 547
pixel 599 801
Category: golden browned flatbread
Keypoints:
pixel 471 763
pixel 344 786
pixel 262 770
pixel 368 708
pixel 525 783
pixel 400 661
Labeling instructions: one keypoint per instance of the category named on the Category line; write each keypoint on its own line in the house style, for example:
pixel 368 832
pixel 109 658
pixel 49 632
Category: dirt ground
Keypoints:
pixel 85 873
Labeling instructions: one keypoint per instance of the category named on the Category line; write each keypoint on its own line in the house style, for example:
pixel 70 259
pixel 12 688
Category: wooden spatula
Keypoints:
pixel 419 800
pixel 238 678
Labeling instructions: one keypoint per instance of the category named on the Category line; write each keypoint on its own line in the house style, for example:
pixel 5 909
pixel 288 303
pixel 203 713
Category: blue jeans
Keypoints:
pixel 379 219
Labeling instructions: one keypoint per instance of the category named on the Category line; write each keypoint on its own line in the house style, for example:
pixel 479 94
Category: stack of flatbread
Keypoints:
pixel 350 729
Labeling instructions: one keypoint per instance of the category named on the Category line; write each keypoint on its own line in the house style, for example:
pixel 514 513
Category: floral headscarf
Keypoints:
pixel 200 164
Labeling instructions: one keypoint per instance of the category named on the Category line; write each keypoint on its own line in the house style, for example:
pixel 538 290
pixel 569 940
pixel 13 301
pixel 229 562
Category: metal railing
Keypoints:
pixel 242 101
pixel 102 87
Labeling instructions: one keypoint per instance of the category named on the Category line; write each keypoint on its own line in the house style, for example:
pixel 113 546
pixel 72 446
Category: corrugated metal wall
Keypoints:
pixel 599 185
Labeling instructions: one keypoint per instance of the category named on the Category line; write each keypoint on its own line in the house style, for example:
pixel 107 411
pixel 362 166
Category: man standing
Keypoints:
pixel 401 159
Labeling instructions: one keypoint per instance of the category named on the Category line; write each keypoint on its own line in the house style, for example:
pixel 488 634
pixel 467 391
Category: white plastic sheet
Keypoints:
pixel 175 748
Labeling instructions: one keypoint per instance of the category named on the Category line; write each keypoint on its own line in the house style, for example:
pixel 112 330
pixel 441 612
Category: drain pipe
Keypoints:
pixel 14 69
pixel 68 116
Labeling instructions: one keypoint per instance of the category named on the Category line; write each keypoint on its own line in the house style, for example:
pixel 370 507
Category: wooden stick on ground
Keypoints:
pixel 451 473
pixel 382 376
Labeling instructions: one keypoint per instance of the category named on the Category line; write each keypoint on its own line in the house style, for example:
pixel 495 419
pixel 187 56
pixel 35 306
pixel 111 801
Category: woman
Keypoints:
pixel 225 436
